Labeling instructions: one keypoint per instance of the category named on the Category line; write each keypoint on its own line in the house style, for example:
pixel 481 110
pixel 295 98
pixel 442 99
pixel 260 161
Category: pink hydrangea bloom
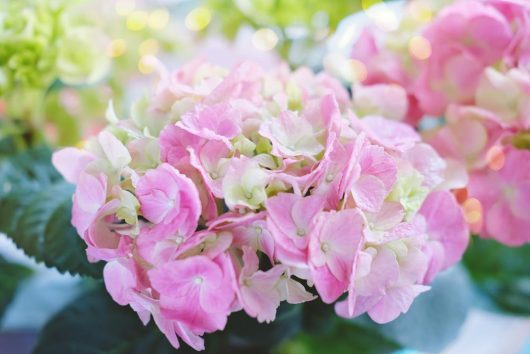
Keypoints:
pixel 460 54
pixel 291 218
pixel 468 65
pixel 221 172
pixel 446 229
pixel 196 291
pixel 505 198
pixel 169 200
pixel 333 247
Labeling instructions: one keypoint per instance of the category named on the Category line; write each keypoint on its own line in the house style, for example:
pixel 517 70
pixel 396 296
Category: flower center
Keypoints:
pixel 300 232
pixel 324 246
pixel 329 178
pixel 198 280
pixel 214 175
pixel 258 230
pixel 179 240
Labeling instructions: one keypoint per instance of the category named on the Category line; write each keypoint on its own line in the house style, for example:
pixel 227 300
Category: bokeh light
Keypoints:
pixel 125 7
pixel 420 47
pixel 264 39
pixel 145 65
pixel 149 47
pixel 495 157
pixel 158 19
pixel 349 70
pixel 380 14
pixel 472 211
pixel 116 48
pixel 137 20
pixel 198 19
pixel 420 11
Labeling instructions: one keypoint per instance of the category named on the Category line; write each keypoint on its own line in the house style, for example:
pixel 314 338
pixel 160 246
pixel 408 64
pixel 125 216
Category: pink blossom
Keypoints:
pixel 259 291
pixel 504 196
pixel 174 143
pixel 291 219
pixel 384 100
pixel 332 251
pixel 169 200
pixel 470 132
pixel 196 291
pixel 218 121
pixel 71 162
pixel 336 171
pixel 222 172
pixel 384 284
pixel 460 53
pixel 291 135
pixel 377 177
pixel 387 133
pixel 94 217
pixel 255 234
pixel 244 183
pixel 447 231
pixel 382 65
pixel 211 160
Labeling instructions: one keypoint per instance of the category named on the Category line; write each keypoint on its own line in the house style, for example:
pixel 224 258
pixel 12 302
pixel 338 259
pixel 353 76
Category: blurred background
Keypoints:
pixel 63 61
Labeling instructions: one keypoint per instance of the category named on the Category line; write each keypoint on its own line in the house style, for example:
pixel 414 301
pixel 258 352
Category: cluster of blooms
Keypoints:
pixel 470 64
pixel 41 41
pixel 237 190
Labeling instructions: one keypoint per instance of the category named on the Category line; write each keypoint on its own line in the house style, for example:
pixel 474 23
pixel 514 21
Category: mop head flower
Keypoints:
pixel 470 64
pixel 45 41
pixel 236 190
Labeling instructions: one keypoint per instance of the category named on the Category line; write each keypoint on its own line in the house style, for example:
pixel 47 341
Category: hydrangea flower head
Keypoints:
pixel 468 66
pixel 258 186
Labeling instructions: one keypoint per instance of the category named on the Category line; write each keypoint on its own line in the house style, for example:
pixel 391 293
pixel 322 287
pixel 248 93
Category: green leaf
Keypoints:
pixel 39 223
pixel 11 136
pixel 247 334
pixel 432 322
pixel 346 338
pixel 29 170
pixel 501 272
pixel 11 275
pixel 93 323
pixel 35 212
pixel 325 332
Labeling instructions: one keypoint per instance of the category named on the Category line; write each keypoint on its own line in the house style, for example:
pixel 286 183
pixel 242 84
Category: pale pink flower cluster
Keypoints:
pixel 471 65
pixel 237 190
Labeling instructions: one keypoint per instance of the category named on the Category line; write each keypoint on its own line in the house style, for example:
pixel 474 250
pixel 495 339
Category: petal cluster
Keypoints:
pixel 237 190
pixel 470 64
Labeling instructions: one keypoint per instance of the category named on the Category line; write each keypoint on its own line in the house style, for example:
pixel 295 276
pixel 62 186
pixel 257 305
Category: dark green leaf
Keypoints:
pixel 432 322
pixel 319 318
pixel 35 211
pixel 10 137
pixel 39 224
pixel 346 338
pixel 502 272
pixel 11 275
pixel 247 334
pixel 94 324
pixel 29 170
